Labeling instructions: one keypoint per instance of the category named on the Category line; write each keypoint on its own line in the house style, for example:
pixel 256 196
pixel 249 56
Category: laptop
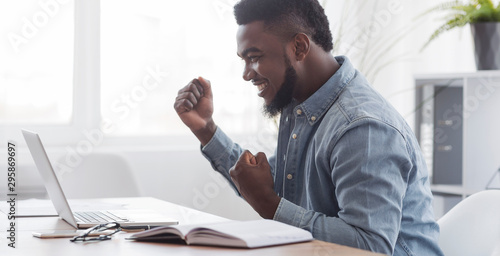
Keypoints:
pixel 126 218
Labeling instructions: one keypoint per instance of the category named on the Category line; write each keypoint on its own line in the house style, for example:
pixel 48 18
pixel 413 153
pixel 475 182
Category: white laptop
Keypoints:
pixel 126 218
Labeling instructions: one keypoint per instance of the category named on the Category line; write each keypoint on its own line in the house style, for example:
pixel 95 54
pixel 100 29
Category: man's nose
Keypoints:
pixel 248 73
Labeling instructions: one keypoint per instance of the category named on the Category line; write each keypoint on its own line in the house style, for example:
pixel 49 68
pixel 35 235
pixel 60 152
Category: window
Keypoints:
pixel 36 71
pixel 152 48
pixel 68 70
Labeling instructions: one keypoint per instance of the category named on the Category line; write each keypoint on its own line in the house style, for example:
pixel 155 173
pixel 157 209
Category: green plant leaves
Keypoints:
pixel 460 14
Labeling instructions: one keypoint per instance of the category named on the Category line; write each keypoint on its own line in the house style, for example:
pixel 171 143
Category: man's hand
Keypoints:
pixel 252 176
pixel 194 105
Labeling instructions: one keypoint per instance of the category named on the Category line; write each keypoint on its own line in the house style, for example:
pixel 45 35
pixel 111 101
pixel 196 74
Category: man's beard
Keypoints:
pixel 285 94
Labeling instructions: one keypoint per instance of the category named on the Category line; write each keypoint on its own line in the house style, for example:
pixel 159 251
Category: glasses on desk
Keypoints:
pixel 87 236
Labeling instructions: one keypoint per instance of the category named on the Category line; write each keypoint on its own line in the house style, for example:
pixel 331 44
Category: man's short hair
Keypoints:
pixel 286 18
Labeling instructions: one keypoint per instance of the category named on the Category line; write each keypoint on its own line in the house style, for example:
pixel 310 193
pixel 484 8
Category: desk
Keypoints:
pixel 26 244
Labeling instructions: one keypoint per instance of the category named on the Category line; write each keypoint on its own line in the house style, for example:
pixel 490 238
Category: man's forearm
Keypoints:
pixel 205 135
pixel 222 153
pixel 330 229
pixel 267 207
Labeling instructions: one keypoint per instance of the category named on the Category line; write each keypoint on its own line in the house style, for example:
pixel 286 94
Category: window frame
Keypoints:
pixel 86 114
pixel 86 82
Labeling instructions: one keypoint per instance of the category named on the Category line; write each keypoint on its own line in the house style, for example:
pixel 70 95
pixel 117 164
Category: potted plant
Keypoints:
pixel 484 20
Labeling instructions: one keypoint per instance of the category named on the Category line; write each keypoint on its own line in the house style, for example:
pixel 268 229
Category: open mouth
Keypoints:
pixel 261 86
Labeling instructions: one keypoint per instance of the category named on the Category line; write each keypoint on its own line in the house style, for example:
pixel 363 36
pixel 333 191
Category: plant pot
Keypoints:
pixel 487 45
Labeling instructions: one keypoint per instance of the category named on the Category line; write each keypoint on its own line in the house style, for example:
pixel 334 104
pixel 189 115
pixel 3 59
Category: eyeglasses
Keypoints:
pixel 87 236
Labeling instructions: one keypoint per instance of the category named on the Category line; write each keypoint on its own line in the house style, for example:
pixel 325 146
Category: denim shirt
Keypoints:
pixel 348 169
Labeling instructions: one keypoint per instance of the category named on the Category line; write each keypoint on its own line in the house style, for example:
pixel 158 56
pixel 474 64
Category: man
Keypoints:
pixel 347 167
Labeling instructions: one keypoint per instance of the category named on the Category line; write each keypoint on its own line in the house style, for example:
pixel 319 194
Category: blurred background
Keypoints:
pixel 97 80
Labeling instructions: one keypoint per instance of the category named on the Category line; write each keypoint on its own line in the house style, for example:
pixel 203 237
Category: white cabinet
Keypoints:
pixel 458 126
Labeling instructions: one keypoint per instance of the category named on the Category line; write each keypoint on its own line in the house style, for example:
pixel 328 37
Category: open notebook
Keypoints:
pixel 244 234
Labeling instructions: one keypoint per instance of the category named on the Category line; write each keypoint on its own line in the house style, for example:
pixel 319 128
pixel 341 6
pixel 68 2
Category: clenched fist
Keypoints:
pixel 252 176
pixel 194 105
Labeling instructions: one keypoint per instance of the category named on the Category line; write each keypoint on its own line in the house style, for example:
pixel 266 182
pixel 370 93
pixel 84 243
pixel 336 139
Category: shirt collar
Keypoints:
pixel 318 104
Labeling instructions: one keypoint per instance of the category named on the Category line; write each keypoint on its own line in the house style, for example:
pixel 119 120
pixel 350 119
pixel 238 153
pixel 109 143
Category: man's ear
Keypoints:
pixel 301 46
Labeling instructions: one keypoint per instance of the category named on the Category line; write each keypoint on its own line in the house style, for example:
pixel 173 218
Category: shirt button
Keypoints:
pixel 313 118
pixel 289 176
pixel 286 119
pixel 299 111
pixel 294 136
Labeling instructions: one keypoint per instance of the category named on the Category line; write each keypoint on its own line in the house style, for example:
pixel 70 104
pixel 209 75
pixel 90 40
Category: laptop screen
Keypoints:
pixel 49 177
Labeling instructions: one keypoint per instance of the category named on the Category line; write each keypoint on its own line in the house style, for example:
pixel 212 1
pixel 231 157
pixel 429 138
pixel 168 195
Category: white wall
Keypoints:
pixel 179 176
pixel 386 35
pixel 178 173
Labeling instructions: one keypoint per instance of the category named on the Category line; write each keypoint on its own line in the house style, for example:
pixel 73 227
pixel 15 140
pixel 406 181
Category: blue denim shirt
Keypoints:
pixel 348 168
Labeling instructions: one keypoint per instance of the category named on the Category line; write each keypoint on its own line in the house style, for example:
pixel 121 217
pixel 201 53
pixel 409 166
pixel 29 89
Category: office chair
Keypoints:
pixel 100 175
pixel 472 227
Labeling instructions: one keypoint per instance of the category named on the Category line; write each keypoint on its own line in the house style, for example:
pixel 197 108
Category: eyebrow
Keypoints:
pixel 249 50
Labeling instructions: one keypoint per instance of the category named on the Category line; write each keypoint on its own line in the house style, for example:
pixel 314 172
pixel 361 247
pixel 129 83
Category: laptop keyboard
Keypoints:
pixel 97 217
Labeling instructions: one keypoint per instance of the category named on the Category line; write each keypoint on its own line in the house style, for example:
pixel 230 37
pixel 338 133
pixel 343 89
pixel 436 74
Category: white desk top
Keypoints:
pixel 26 244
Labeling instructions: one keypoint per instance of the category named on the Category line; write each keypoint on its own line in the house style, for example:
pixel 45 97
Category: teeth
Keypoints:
pixel 262 86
